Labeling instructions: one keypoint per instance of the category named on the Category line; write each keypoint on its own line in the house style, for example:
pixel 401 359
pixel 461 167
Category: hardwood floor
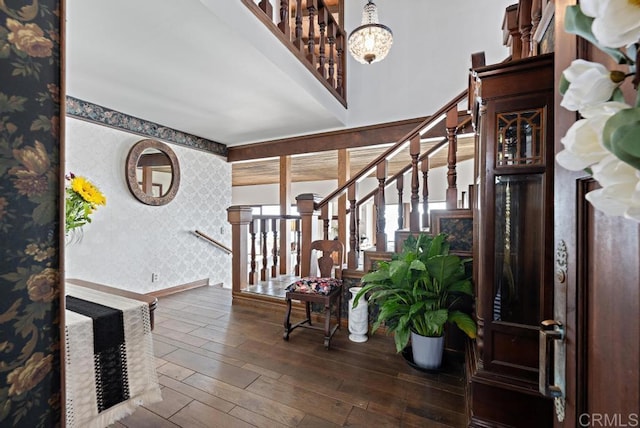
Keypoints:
pixel 227 366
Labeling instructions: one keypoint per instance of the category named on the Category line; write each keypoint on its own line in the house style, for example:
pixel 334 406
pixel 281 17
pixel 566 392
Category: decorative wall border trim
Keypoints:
pixel 97 114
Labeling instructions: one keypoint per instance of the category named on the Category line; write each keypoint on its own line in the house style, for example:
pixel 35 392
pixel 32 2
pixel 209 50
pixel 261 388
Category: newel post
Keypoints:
pixel 239 216
pixel 307 203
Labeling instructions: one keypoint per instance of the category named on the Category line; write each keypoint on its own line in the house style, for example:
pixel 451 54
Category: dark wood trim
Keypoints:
pixel 343 139
pixel 179 288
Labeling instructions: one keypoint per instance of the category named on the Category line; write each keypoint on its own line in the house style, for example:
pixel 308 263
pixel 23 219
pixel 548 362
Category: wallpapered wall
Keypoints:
pixel 127 241
pixel 30 82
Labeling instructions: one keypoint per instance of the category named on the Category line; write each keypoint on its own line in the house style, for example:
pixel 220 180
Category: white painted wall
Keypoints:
pixel 127 240
pixel 429 61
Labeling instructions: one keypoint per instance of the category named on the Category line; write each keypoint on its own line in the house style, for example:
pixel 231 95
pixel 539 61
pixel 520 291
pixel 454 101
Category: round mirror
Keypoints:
pixel 153 172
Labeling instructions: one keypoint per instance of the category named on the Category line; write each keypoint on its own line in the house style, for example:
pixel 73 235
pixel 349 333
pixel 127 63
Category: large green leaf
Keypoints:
pixel 417 265
pixel 401 338
pixel 437 246
pixel 376 276
pixel 434 322
pixel 621 136
pixel 442 268
pixel 463 286
pixel 576 22
pixel 464 323
pixel 398 270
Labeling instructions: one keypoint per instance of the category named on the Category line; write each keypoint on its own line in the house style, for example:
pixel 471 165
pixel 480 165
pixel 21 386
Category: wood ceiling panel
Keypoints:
pixel 323 165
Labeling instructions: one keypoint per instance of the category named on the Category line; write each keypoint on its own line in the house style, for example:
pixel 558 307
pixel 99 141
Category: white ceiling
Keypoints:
pixel 180 64
pixel 209 68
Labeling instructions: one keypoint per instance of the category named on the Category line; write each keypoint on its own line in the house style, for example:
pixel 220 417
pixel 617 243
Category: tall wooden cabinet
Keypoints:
pixel 513 242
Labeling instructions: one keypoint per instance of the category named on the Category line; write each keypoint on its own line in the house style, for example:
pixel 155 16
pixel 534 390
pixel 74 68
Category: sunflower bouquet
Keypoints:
pixel 82 199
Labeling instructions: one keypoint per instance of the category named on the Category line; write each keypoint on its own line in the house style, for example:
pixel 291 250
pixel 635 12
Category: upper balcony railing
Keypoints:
pixel 309 30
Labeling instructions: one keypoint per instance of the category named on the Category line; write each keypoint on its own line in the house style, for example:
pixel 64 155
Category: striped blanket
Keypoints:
pixel 110 367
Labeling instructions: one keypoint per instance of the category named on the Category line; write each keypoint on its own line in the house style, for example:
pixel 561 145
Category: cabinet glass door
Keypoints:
pixel 519 248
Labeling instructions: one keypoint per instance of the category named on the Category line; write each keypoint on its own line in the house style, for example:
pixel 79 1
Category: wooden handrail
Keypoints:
pixel 432 120
pixel 213 241
pixel 402 171
pixel 422 157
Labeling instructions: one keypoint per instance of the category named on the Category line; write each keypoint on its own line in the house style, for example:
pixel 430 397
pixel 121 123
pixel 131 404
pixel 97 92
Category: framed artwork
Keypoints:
pixel 458 224
pixel 371 259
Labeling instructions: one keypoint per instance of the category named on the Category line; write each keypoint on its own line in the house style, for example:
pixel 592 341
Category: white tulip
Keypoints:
pixel 616 23
pixel 589 84
pixel 592 8
pixel 620 193
pixel 583 147
pixel 583 141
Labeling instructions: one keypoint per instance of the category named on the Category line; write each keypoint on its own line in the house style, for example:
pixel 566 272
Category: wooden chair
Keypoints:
pixel 324 289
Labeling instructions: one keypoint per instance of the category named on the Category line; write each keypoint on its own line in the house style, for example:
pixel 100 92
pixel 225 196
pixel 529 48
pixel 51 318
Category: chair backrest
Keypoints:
pixel 325 261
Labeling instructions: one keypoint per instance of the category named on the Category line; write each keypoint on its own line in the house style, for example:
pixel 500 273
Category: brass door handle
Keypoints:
pixel 551 352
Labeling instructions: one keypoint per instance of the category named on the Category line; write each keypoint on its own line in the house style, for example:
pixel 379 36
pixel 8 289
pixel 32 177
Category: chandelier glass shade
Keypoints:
pixel 371 41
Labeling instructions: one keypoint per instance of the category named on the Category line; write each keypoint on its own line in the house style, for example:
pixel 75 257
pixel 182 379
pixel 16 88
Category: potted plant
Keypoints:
pixel 417 293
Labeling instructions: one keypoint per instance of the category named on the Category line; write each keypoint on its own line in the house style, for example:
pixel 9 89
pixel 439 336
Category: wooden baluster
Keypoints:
pixel 400 189
pixel 381 236
pixel 340 45
pixel 266 7
pixel 284 24
pixel 352 260
pixel 358 229
pixel 326 220
pixel 265 255
pixel 323 17
pixel 252 233
pixel 536 16
pixel 414 152
pixel 452 176
pixel 298 40
pixel 511 25
pixel 312 7
pixel 297 268
pixel 332 61
pixel 424 167
pixel 524 20
pixel 274 250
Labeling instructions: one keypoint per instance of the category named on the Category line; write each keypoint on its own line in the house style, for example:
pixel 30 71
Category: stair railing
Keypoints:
pixel 309 30
pixel 315 213
pixel 309 205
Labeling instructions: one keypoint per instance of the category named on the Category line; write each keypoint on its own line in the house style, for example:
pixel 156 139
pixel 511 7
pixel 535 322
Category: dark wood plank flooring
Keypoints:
pixel 227 366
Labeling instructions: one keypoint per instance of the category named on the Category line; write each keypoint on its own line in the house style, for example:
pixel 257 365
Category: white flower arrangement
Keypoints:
pixel 606 141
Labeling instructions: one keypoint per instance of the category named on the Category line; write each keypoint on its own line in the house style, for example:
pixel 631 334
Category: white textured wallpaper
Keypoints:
pixel 128 241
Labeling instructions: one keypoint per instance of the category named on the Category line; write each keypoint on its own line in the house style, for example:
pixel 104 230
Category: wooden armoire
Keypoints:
pixel 513 104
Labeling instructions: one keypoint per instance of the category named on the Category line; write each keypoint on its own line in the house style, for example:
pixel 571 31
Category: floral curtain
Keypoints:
pixel 30 77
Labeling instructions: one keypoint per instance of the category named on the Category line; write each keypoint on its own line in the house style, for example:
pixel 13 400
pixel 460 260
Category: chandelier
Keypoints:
pixel 371 41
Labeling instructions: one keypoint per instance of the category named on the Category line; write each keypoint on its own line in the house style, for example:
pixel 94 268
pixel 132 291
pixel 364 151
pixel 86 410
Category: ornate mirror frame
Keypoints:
pixel 132 180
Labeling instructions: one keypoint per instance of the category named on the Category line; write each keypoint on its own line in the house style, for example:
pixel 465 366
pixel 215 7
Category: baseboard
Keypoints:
pixel 180 288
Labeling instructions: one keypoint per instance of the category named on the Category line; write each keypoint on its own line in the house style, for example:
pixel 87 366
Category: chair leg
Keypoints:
pixel 307 308
pixel 339 309
pixel 287 323
pixel 327 324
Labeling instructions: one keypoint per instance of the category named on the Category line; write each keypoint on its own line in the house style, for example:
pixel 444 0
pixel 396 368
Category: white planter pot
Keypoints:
pixel 358 317
pixel 427 351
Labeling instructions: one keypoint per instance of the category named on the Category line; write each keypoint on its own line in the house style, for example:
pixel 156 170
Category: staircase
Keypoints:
pixel 411 156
